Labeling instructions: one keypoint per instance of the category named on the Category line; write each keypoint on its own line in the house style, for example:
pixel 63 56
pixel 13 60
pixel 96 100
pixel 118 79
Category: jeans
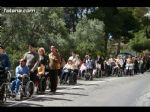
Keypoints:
pixel 15 85
pixel 64 76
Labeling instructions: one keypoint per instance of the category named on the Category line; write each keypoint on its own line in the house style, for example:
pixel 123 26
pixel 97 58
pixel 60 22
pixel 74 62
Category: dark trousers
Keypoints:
pixel 53 79
pixel 59 73
pixel 34 77
pixel 75 75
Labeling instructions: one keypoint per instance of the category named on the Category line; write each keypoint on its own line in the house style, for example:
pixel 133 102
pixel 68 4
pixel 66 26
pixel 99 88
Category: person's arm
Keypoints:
pixel 36 64
pixel 17 72
pixel 51 56
pixel 43 69
pixel 7 63
pixel 26 72
pixel 25 56
pixel 65 66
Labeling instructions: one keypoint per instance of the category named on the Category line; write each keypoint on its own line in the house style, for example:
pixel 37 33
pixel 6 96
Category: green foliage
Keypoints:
pixel 140 42
pixel 43 28
pixel 83 29
pixel 89 36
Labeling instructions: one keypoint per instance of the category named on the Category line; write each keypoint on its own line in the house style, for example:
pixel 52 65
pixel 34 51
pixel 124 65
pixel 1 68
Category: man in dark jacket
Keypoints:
pixel 4 64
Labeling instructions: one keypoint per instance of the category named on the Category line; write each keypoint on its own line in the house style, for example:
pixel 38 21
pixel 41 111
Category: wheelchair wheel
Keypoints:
pixel 48 83
pixel 3 94
pixel 8 76
pixel 29 89
pixel 87 76
pixel 42 85
pixel 91 77
pixel 71 80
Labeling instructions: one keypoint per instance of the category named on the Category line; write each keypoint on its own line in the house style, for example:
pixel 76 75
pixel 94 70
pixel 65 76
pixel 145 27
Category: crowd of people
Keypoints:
pixel 36 64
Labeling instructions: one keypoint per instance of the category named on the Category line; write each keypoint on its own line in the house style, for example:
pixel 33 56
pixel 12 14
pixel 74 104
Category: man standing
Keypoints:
pixel 54 62
pixel 32 61
pixel 4 60
pixel 4 67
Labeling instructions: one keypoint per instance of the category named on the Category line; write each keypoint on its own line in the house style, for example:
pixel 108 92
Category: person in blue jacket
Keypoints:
pixel 4 60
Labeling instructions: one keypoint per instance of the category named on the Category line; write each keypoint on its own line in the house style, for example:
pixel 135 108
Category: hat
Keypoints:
pixel 70 59
pixel 52 46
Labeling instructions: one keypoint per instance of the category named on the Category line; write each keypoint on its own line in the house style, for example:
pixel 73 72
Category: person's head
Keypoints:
pixel 98 56
pixel 69 61
pixel 1 49
pixel 86 56
pixel 89 57
pixel 22 62
pixel 118 57
pixel 130 56
pixel 41 51
pixel 31 47
pixel 77 56
pixel 53 49
pixel 84 61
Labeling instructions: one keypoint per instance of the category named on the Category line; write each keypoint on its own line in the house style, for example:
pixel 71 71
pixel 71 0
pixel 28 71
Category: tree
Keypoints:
pixel 43 28
pixel 117 21
pixel 140 42
pixel 89 36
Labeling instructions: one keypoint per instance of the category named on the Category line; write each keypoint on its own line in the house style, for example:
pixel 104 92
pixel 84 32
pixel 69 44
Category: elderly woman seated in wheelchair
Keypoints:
pixel 22 86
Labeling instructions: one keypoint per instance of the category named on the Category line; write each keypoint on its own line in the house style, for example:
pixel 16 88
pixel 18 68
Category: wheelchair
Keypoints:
pixel 5 77
pixel 129 69
pixel 72 77
pixel 26 89
pixel 88 74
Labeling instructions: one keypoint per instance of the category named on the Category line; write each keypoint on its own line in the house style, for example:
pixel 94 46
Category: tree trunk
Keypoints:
pixel 106 42
pixel 118 47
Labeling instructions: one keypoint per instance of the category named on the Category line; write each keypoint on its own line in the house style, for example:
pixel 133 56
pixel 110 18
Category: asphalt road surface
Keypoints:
pixel 109 91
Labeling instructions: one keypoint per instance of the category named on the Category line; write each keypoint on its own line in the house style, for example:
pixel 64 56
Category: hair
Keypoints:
pixel 31 44
pixel 41 49
pixel 23 59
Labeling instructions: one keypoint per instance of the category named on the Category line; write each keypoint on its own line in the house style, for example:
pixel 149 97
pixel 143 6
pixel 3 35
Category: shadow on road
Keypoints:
pixel 79 88
pixel 48 99
pixel 27 105
pixel 63 93
pixel 60 88
pixel 21 104
pixel 6 104
pixel 91 84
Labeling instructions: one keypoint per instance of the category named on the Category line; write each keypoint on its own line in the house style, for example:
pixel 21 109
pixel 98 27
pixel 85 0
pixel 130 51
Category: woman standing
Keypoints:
pixel 42 68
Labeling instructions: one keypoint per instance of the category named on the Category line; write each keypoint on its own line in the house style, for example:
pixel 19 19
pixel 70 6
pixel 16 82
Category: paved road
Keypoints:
pixel 111 91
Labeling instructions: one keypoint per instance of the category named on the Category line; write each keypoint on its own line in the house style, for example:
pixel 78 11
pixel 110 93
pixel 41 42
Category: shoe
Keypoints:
pixel 54 92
